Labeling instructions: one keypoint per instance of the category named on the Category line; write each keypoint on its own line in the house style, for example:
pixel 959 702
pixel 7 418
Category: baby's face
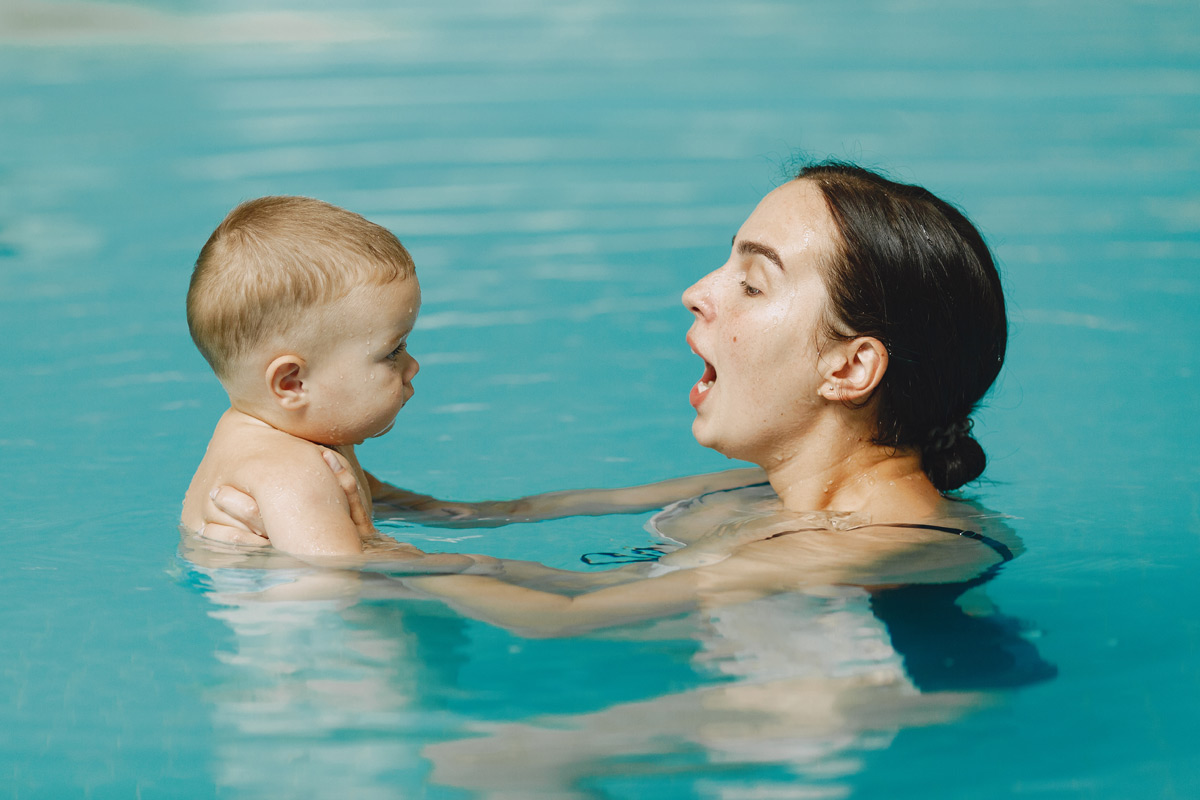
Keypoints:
pixel 361 376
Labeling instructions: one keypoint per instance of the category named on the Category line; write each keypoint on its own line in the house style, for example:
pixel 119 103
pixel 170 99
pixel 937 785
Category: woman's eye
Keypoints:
pixel 750 290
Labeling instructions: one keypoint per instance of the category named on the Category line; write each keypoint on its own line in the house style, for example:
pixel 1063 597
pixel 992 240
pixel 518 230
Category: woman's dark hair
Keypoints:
pixel 912 271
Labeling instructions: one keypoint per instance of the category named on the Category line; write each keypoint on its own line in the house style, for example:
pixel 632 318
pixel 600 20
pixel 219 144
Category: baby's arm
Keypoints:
pixel 303 508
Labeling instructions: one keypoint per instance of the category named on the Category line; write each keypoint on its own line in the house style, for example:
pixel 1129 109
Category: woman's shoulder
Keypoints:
pixel 946 540
pixel 685 521
pixel 959 544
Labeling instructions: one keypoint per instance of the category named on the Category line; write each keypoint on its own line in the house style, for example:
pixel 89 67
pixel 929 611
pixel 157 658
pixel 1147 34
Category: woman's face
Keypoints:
pixel 758 327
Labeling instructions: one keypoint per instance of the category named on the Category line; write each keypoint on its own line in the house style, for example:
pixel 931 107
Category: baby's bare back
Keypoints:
pixel 303 509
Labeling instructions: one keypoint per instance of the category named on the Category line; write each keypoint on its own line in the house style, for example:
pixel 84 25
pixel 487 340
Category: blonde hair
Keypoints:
pixel 275 257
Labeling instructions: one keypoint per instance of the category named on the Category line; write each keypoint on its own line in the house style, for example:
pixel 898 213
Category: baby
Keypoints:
pixel 303 310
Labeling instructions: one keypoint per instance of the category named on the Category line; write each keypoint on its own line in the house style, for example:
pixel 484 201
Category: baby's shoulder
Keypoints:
pixel 248 454
pixel 283 458
pixel 256 459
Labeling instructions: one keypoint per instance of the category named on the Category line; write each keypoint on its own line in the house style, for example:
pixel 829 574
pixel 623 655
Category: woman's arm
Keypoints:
pixel 536 613
pixel 553 505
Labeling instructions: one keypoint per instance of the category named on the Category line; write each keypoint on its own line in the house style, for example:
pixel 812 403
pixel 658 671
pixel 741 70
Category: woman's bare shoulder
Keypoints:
pixel 929 551
pixel 689 520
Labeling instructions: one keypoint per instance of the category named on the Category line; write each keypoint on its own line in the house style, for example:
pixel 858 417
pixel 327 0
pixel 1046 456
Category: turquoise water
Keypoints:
pixel 561 172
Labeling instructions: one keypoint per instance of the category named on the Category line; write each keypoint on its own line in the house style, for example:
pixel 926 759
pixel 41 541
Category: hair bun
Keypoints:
pixel 951 456
pixel 946 436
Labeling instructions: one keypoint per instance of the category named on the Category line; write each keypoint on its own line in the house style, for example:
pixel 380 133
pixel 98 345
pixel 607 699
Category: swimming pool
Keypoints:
pixel 560 173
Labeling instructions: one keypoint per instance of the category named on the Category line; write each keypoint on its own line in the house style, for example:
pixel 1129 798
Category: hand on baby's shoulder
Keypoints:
pixel 301 505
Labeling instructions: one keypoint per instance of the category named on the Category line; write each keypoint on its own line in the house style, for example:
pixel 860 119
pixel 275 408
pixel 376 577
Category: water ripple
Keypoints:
pixel 528 316
pixel 56 24
pixel 1073 319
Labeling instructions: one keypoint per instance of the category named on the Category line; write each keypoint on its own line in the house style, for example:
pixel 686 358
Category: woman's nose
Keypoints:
pixel 697 298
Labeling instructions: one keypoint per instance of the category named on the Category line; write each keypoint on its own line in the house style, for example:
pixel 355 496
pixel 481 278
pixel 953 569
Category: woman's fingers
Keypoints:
pixel 234 508
pixel 228 534
pixel 233 517
pixel 359 514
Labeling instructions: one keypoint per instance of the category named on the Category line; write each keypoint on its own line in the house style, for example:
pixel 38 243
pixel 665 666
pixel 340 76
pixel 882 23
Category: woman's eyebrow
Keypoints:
pixel 754 248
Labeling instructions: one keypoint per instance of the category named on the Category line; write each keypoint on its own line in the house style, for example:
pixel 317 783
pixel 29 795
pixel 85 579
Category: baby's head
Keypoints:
pixel 303 310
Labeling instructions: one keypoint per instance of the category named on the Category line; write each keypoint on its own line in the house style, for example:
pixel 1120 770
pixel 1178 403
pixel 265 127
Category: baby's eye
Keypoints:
pixel 400 348
pixel 750 290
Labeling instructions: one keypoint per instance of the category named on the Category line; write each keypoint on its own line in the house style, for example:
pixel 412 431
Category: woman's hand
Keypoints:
pixel 359 514
pixel 231 516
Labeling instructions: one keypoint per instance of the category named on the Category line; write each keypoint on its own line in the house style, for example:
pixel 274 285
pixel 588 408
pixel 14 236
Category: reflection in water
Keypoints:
pixel 338 682
pixel 320 690
pixel 814 681
pixel 946 647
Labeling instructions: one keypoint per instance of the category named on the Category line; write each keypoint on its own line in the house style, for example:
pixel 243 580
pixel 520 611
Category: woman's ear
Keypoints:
pixel 285 382
pixel 856 372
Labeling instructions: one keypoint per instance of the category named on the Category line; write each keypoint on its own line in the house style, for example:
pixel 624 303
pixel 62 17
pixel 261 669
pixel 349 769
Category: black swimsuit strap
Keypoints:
pixel 1000 548
pixel 632 555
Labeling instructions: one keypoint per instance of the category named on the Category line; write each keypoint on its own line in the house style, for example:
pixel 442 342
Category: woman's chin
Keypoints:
pixel 704 435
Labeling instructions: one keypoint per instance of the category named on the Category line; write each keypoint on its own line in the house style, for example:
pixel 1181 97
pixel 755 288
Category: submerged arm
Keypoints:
pixel 531 612
pixel 536 613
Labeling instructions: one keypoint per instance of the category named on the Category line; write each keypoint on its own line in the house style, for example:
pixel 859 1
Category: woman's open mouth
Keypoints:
pixel 700 390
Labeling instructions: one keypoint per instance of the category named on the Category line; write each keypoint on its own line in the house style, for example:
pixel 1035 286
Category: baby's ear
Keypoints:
pixel 284 381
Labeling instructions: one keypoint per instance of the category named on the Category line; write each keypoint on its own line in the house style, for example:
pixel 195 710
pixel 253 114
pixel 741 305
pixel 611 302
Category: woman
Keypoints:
pixel 846 341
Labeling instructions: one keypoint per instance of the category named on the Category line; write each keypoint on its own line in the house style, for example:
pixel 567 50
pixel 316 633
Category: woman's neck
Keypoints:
pixel 867 479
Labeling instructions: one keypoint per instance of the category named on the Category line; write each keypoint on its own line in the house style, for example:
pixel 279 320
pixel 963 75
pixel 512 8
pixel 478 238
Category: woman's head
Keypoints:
pixel 851 295
pixel 759 327
pixel 912 271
